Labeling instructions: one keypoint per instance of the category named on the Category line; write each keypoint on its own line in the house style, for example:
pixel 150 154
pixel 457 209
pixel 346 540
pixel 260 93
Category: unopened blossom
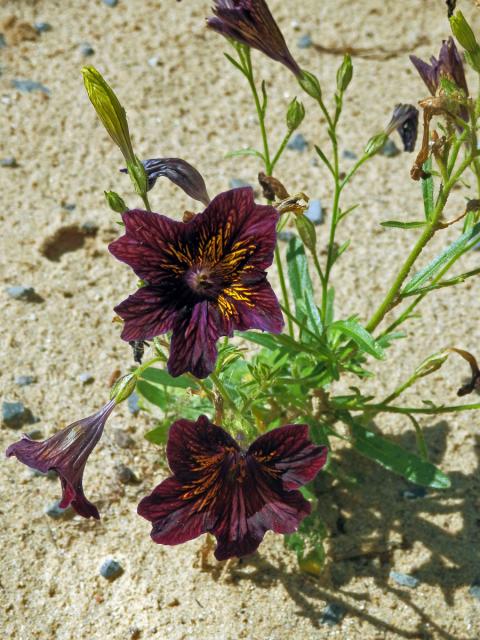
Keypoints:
pixel 448 65
pixel 205 278
pixel 251 23
pixel 66 452
pixel 236 495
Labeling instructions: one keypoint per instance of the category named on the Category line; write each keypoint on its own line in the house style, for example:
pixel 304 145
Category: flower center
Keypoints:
pixel 204 282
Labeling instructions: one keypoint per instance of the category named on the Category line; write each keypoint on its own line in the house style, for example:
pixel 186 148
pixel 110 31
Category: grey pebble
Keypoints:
pixel 27 86
pixel 20 292
pixel 413 493
pixel 9 161
pixel 315 212
pixel 297 143
pixel 89 228
pixel 475 589
pixel 133 403
pixel 86 378
pixel 305 41
pixel 237 183
pixel 16 415
pixel 349 155
pixel 285 236
pixel 86 49
pixel 153 62
pixel 25 381
pixel 125 474
pixel 332 614
pixel 390 149
pixel 404 580
pixel 111 569
pixel 69 206
pixel 110 3
pixel 2 41
pixel 56 512
pixel 122 439
pixel 42 27
pixel 51 474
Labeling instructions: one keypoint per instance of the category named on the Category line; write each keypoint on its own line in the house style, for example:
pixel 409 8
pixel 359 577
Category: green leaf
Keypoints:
pixel 330 311
pixel 159 435
pixel 396 459
pixel 235 63
pixel 398 224
pixel 452 252
pixel 301 285
pixel 359 335
pixel 427 189
pixel 240 153
pixel 153 393
pixel 162 377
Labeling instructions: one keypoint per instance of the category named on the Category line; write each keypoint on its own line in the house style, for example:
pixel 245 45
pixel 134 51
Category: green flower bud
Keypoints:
pixel 295 114
pixel 375 143
pixel 310 84
pixel 306 231
pixel 473 59
pixel 109 110
pixel 138 175
pixel 123 388
pixel 463 32
pixel 115 202
pixel 344 73
pixel 430 364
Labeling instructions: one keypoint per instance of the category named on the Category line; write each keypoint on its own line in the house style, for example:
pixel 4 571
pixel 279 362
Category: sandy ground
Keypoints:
pixel 191 104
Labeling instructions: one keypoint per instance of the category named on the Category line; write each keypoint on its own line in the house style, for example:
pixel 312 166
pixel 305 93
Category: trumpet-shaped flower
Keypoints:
pixel 449 65
pixel 205 278
pixel 236 495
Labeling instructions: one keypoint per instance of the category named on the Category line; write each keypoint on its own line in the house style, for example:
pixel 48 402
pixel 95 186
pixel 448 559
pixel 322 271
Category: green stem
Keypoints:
pixel 223 392
pixel 281 149
pixel 283 286
pixel 260 114
pixel 144 197
pixel 380 408
pixel 420 438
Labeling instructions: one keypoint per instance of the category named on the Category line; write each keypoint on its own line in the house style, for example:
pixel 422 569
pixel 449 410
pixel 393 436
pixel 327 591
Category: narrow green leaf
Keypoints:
pixel 235 63
pixel 398 224
pixel 427 189
pixel 244 152
pixel 450 253
pixel 396 459
pixel 301 285
pixel 162 377
pixel 359 335
pixel 330 311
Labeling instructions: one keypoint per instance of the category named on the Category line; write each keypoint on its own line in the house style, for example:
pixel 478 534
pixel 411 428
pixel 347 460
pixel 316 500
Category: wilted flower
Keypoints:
pixel 448 65
pixel 66 452
pixel 236 495
pixel 205 277
pixel 405 122
pixel 178 171
pixel 251 23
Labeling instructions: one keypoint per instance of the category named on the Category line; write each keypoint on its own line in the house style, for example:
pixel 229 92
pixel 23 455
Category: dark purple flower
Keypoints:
pixel 405 122
pixel 178 171
pixel 205 277
pixel 251 23
pixel 66 452
pixel 449 65
pixel 236 495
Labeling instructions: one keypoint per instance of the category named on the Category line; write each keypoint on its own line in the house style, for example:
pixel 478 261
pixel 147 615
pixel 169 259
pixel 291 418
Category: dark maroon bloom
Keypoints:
pixel 178 171
pixel 405 122
pixel 449 65
pixel 236 495
pixel 251 23
pixel 66 452
pixel 205 277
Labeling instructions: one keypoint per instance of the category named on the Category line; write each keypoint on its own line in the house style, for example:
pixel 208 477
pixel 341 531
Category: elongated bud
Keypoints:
pixel 310 84
pixel 295 114
pixel 344 73
pixel 109 110
pixel 306 231
pixel 115 202
pixel 463 32
pixel 138 175
pixel 430 364
pixel 123 388
pixel 375 143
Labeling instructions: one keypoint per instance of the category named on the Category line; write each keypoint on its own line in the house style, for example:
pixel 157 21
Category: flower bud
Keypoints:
pixel 430 364
pixel 115 202
pixel 138 176
pixel 344 73
pixel 295 114
pixel 306 231
pixel 310 84
pixel 463 32
pixel 109 110
pixel 375 143
pixel 123 388
pixel 473 59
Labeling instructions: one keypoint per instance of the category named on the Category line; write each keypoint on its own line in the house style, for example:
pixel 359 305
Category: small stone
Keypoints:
pixel 50 475
pixel 19 292
pixel 27 86
pixel 111 569
pixel 35 434
pixel 110 3
pixel 15 415
pixel 305 41
pixel 237 183
pixel 315 212
pixel 475 589
pixel 2 41
pixel 285 236
pixel 86 49
pixel 133 403
pixel 332 614
pixel 349 155
pixel 122 439
pixel 153 62
pixel 125 474
pixel 297 143
pixel 25 381
pixel 86 378
pixel 56 512
pixel 173 603
pixel 69 206
pixel 413 493
pixel 134 632
pixel 42 27
pixel 90 228
pixel 295 25
pixel 404 580
pixel 9 161
pixel 390 149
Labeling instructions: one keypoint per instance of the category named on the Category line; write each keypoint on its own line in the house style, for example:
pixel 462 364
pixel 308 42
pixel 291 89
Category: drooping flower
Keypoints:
pixel 251 23
pixel 66 452
pixel 205 278
pixel 449 65
pixel 405 122
pixel 178 171
pixel 236 495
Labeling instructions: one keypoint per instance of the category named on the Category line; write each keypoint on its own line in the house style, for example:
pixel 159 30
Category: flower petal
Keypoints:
pixel 193 346
pixel 251 307
pixel 148 313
